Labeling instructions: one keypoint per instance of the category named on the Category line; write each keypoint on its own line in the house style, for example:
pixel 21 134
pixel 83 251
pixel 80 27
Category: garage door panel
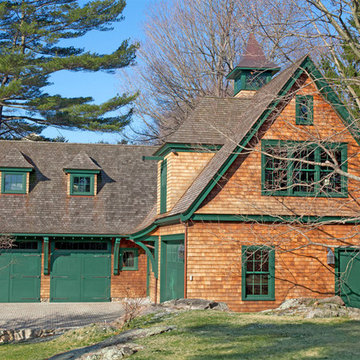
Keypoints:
pixel 5 261
pixel 66 265
pixel 20 272
pixel 80 272
pixel 25 289
pixel 349 275
pixel 96 265
pixel 96 289
pixel 27 264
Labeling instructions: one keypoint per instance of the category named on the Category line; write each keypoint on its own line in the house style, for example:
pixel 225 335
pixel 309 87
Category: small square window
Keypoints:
pixel 13 183
pixel 304 110
pixel 81 184
pixel 128 259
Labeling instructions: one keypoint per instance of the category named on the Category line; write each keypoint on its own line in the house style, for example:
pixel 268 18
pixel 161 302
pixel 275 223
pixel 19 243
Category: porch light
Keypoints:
pixel 330 257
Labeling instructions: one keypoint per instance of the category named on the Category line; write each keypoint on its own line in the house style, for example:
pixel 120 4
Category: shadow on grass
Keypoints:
pixel 268 340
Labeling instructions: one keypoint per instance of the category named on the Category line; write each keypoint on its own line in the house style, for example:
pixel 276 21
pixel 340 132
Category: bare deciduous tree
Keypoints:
pixel 191 46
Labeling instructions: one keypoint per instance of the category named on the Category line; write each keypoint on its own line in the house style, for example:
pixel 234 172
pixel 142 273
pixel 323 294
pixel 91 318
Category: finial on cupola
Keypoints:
pixel 253 70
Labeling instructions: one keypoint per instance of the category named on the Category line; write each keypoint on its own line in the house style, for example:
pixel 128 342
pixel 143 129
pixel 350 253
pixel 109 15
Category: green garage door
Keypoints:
pixel 348 279
pixel 80 271
pixel 20 272
pixel 172 267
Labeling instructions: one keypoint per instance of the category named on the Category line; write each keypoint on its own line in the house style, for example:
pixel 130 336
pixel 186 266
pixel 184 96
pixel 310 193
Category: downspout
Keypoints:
pixel 185 259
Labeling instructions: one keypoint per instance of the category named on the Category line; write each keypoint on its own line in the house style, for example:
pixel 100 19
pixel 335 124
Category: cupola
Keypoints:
pixel 253 70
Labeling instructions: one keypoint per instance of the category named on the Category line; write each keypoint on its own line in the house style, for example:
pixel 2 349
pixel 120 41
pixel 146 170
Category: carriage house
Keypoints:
pixel 253 200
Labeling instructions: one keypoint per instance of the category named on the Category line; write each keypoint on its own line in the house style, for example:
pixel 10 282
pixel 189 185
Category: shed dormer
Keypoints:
pixel 253 70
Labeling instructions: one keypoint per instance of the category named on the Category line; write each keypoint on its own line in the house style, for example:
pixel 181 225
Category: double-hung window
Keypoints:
pixel 291 168
pixel 258 273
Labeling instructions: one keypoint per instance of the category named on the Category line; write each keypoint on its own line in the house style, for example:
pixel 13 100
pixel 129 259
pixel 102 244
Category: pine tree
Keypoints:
pixel 31 50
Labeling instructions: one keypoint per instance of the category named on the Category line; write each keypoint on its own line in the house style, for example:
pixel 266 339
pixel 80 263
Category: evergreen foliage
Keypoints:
pixel 31 50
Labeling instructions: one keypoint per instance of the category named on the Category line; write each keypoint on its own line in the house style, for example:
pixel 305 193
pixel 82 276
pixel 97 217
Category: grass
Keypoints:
pixel 72 339
pixel 203 335
pixel 215 335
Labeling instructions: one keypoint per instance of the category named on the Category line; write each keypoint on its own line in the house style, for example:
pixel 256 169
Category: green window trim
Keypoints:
pixel 163 186
pixel 74 175
pixel 21 173
pixel 269 274
pixel 319 188
pixel 136 255
pixel 304 117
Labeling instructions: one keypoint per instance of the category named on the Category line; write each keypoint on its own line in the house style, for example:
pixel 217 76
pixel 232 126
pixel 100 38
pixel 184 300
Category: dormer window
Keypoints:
pixel 82 173
pixel 82 184
pixel 13 182
pixel 15 173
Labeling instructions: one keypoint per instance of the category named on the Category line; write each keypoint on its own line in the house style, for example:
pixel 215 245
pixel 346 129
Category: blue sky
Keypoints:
pixel 100 86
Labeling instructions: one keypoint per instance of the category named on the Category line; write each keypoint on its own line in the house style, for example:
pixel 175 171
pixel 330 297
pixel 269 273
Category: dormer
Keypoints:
pixel 82 175
pixel 253 70
pixel 15 173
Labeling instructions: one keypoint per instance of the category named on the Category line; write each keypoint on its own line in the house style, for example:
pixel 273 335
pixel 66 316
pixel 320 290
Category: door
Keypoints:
pixel 80 271
pixel 172 269
pixel 348 276
pixel 20 272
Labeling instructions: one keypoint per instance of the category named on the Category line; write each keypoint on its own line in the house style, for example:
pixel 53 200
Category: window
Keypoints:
pixel 304 110
pixel 128 259
pixel 258 270
pixel 80 245
pixel 292 168
pixel 255 80
pixel 13 182
pixel 163 186
pixel 82 184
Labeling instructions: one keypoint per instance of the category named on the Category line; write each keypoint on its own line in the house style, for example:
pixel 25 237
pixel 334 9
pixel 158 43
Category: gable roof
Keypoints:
pixel 82 161
pixel 261 102
pixel 14 159
pixel 212 122
pixel 126 190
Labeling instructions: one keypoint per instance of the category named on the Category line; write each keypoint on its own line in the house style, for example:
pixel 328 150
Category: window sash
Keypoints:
pixel 301 179
pixel 134 265
pixel 13 190
pixel 79 187
pixel 258 285
pixel 304 110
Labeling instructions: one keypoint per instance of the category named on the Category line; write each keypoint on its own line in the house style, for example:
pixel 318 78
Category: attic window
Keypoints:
pixel 14 180
pixel 304 110
pixel 82 183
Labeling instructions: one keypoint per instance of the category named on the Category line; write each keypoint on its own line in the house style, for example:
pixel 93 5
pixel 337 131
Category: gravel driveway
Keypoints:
pixel 56 315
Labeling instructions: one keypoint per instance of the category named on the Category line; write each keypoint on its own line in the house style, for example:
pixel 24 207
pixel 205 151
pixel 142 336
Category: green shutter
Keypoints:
pixel 163 186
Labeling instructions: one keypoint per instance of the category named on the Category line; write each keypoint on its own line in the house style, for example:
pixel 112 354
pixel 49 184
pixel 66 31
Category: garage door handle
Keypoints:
pixel 59 277
pixel 33 277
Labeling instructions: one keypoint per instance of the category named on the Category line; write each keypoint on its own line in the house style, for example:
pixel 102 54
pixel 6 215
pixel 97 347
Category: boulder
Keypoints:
pixel 195 304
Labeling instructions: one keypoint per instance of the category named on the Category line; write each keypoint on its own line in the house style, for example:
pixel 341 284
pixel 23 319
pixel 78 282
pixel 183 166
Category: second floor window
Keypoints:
pixel 82 184
pixel 299 169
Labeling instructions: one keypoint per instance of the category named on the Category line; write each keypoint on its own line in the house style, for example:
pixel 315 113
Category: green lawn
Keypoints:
pixel 216 335
pixel 203 335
